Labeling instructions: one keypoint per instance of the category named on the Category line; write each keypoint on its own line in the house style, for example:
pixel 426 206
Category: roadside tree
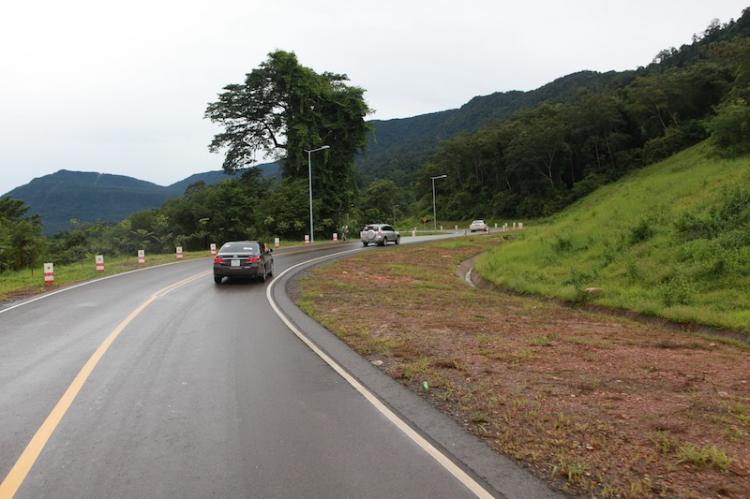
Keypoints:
pixel 21 241
pixel 284 109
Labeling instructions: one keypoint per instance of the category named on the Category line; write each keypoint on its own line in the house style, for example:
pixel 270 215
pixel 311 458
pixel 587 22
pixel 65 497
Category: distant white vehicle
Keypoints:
pixel 478 226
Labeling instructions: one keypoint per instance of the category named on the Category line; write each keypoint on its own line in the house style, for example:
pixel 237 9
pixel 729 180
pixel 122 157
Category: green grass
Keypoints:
pixel 31 281
pixel 708 456
pixel 625 240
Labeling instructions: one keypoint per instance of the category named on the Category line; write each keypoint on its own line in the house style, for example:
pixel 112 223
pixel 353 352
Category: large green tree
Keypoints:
pixel 21 242
pixel 284 109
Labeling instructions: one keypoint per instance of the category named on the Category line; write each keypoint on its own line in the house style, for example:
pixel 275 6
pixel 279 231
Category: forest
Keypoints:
pixel 530 164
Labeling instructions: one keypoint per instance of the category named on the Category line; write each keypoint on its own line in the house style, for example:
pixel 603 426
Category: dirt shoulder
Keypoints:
pixel 595 405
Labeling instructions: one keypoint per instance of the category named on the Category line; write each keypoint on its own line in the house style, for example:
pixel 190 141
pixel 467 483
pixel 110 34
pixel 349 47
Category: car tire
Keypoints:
pixel 398 239
pixel 270 272
pixel 218 278
pixel 263 275
pixel 383 242
pixel 364 244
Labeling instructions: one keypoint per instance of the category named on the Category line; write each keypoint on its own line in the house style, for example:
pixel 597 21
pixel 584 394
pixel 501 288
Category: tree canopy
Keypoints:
pixel 284 109
pixel 537 161
pixel 21 241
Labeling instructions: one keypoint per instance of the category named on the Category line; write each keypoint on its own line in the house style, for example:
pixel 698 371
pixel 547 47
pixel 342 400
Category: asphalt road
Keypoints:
pixel 159 383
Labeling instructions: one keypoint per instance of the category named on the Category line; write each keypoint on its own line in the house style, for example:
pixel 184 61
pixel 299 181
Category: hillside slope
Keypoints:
pixel 671 240
pixel 92 197
pixel 398 148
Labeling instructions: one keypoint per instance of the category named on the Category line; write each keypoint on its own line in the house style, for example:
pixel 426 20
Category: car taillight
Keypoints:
pixel 253 259
pixel 380 233
pixel 219 259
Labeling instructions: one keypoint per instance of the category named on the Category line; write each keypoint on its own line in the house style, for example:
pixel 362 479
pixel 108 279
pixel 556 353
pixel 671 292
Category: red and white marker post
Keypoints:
pixel 49 273
pixel 100 263
pixel 213 249
pixel 141 257
pixel 179 252
pixel 277 243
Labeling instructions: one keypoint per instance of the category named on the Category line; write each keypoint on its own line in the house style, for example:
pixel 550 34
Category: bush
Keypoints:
pixel 561 244
pixel 730 128
pixel 694 228
pixel 641 232
pixel 675 140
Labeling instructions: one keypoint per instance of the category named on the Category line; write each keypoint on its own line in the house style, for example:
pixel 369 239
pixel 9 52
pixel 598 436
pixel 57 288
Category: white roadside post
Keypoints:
pixel 49 273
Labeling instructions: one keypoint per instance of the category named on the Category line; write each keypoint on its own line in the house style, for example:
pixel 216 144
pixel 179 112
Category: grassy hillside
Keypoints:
pixel 671 240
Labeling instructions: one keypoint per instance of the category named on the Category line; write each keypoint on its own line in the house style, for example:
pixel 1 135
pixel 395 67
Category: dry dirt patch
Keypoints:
pixel 596 405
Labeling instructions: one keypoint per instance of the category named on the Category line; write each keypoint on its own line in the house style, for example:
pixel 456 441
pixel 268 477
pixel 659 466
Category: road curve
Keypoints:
pixel 158 383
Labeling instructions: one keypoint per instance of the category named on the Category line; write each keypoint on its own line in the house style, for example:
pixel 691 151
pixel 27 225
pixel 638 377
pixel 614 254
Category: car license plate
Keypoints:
pixel 235 263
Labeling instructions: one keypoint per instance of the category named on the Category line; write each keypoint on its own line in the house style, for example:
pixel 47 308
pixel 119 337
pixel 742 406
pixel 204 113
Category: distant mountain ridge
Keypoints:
pixel 91 197
pixel 396 151
pixel 400 147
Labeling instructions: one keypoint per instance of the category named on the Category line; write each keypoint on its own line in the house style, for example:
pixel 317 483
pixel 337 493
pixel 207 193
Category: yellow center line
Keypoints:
pixel 21 469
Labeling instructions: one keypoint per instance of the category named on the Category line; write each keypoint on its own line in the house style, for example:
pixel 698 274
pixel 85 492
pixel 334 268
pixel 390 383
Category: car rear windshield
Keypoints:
pixel 247 247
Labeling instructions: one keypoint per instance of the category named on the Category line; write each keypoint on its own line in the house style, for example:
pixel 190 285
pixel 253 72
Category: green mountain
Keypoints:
pixel 400 147
pixel 208 178
pixel 94 197
pixel 90 197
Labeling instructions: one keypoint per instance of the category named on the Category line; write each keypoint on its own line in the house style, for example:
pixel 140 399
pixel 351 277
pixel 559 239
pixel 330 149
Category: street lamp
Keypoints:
pixel 434 212
pixel 309 177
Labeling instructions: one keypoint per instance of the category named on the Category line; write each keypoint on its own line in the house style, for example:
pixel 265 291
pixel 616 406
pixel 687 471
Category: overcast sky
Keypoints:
pixel 121 87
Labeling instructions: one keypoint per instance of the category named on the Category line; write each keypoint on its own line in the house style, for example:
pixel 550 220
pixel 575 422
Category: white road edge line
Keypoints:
pixel 443 460
pixel 47 294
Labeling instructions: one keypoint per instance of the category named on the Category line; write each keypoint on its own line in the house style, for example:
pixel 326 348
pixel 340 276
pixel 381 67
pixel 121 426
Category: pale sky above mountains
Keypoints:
pixel 121 87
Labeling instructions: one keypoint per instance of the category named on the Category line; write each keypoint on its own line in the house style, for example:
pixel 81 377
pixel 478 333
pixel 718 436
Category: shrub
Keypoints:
pixel 641 232
pixel 730 128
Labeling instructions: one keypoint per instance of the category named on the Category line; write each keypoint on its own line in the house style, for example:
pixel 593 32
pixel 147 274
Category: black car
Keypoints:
pixel 243 260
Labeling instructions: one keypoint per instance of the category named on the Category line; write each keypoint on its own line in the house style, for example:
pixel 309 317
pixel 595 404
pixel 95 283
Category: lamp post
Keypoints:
pixel 309 177
pixel 434 211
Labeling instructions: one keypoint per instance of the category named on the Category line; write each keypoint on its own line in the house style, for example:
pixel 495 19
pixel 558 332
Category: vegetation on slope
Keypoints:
pixel 671 240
